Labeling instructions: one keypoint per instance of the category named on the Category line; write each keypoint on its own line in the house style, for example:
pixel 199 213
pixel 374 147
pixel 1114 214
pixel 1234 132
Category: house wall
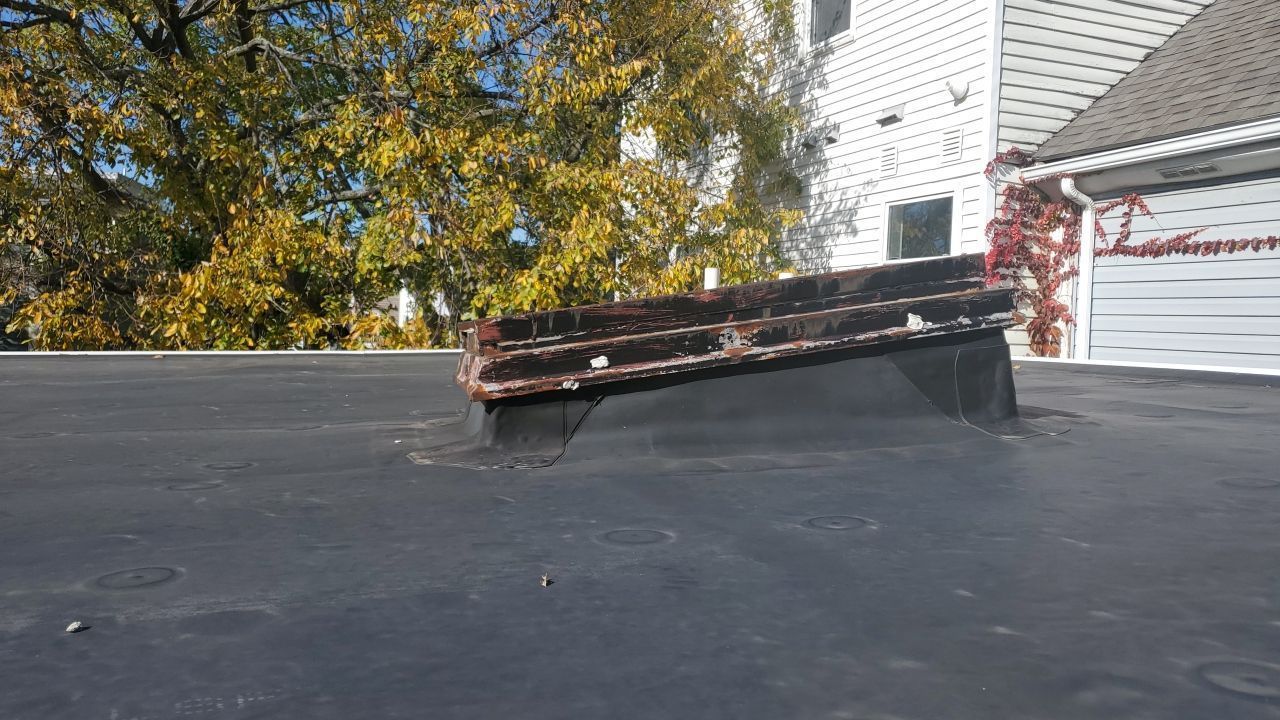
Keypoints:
pixel 899 52
pixel 1058 57
pixel 1219 310
pixel 1055 59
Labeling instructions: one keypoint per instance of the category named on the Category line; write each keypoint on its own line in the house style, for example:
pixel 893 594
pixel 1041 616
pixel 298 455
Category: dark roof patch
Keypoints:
pixel 1222 68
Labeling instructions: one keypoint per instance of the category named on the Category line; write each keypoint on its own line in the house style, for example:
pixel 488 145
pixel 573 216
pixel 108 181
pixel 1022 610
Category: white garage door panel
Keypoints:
pixel 1175 357
pixel 1215 307
pixel 1191 342
pixel 1219 310
pixel 1189 290
pixel 1177 324
pixel 1242 267
pixel 1175 221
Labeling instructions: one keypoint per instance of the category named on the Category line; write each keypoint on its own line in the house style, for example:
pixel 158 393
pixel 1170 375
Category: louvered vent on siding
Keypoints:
pixel 952 145
pixel 889 161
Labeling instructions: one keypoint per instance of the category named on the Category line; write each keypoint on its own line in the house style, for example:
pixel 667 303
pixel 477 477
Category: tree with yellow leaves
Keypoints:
pixel 264 173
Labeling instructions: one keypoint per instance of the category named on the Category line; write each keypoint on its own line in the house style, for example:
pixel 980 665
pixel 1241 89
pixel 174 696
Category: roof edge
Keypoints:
pixel 1222 137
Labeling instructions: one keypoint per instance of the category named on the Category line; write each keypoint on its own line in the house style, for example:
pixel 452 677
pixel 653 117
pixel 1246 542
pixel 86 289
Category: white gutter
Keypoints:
pixel 1257 131
pixel 1083 310
pixel 991 109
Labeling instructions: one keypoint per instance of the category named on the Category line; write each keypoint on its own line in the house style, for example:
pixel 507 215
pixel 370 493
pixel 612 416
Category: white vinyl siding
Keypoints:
pixel 1058 57
pixel 1221 310
pixel 899 52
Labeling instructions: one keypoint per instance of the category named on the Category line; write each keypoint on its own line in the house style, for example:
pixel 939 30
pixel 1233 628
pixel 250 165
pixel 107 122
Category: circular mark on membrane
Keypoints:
pixel 136 578
pixel 837 522
pixel 1250 483
pixel 631 536
pixel 1109 694
pixel 228 466
pixel 191 486
pixel 1248 679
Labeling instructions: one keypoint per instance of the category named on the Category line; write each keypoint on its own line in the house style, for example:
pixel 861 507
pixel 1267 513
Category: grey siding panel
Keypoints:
pixel 1243 265
pixel 1187 290
pixel 1189 342
pixel 1219 310
pixel 1211 325
pixel 1263 306
pixel 1059 57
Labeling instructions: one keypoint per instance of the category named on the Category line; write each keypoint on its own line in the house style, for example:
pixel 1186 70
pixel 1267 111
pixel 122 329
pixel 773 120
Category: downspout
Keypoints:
pixel 1083 310
pixel 991 111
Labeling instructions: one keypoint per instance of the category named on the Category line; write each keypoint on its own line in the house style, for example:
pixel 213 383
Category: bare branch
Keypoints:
pixel 259 44
pixel 54 14
pixel 281 7
pixel 363 193
pixel 196 10
pixel 34 22
pixel 500 46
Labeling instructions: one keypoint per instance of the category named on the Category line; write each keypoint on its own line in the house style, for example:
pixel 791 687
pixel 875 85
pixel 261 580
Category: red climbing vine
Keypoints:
pixel 1034 245
pixel 1027 253
pixel 1180 244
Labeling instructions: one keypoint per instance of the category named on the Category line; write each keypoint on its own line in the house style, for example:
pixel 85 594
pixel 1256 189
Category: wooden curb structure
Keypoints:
pixel 565 349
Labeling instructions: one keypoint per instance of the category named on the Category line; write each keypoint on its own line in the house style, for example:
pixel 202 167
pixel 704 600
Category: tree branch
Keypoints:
pixel 363 193
pixel 54 14
pixel 259 44
pixel 499 46
pixel 281 7
pixel 34 22
pixel 244 30
pixel 195 11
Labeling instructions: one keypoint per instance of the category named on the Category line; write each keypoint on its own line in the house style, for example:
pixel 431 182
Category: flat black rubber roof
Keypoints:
pixel 245 537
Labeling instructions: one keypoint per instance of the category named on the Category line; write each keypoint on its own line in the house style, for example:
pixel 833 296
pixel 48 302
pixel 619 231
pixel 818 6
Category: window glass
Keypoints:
pixel 920 229
pixel 830 18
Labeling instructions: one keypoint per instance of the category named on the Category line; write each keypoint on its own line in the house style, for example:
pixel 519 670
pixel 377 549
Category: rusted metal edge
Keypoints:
pixel 489 332
pixel 487 378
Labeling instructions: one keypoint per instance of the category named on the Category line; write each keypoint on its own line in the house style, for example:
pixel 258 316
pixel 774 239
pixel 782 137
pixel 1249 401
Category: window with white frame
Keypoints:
pixel 920 229
pixel 828 18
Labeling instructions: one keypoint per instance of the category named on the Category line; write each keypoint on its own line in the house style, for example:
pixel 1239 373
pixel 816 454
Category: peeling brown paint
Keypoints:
pixel 522 367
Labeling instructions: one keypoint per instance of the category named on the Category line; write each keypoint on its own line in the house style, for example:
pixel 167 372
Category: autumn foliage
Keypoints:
pixel 1035 248
pixel 265 173
pixel 1183 243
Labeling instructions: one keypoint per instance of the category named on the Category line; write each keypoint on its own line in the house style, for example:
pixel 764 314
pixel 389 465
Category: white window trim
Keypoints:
pixel 953 243
pixel 806 28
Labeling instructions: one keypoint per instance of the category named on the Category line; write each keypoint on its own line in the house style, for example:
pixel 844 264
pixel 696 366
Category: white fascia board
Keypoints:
pixel 1207 141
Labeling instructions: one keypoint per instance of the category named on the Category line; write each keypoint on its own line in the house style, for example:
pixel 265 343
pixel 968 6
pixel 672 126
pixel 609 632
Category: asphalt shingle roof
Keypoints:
pixel 1222 68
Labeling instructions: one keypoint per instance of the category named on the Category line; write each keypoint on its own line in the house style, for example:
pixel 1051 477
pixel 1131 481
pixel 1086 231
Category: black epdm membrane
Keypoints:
pixel 880 534
pixel 862 398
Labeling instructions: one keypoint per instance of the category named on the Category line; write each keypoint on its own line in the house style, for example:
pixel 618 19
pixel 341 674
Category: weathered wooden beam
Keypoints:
pixel 595 361
pixel 756 300
pixel 781 310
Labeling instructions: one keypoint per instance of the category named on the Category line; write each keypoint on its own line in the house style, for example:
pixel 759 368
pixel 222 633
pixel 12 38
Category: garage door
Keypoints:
pixel 1220 310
